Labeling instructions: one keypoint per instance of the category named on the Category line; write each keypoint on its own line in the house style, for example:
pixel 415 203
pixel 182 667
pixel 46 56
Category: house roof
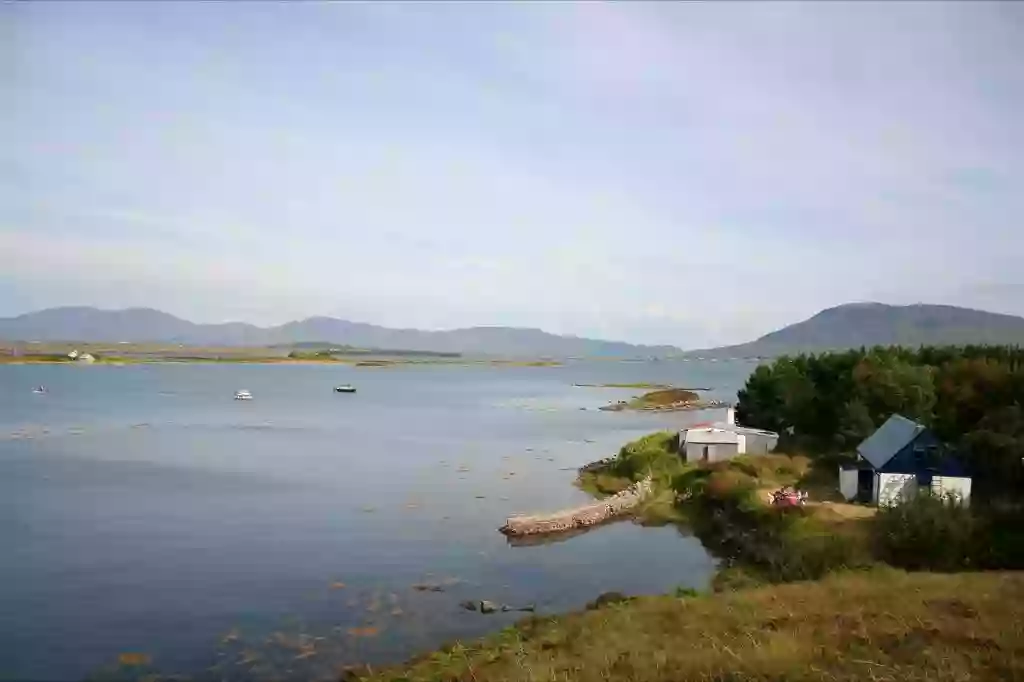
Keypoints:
pixel 891 437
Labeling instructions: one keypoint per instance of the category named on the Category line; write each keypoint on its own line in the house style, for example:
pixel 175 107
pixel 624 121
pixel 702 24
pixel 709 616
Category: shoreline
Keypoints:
pixel 361 363
pixel 746 629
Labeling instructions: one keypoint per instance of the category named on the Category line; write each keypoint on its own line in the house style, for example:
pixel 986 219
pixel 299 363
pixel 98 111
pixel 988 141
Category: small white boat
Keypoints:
pixel 243 395
pixel 346 388
pixel 40 389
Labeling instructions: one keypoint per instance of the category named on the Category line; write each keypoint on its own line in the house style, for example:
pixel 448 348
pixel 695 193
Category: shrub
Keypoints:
pixel 729 486
pixel 655 454
pixel 928 532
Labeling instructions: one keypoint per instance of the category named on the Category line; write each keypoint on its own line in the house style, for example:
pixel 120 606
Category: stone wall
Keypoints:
pixel 580 517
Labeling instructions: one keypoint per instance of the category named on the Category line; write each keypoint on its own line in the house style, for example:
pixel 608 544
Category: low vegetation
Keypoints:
pixel 663 398
pixel 654 455
pixel 728 504
pixel 882 625
pixel 729 507
pixel 936 534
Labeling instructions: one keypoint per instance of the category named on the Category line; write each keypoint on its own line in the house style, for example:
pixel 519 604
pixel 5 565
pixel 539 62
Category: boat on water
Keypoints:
pixel 243 395
pixel 346 388
pixel 39 389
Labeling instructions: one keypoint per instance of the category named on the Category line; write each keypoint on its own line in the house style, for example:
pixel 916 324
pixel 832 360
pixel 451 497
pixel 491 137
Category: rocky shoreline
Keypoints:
pixel 579 517
pixel 680 406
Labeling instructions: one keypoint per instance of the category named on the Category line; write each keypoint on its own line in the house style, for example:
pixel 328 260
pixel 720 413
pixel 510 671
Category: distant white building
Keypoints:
pixel 73 354
pixel 720 441
pixel 86 357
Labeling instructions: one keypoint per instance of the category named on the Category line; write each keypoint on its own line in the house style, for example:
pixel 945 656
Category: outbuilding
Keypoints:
pixel 720 441
pixel 899 460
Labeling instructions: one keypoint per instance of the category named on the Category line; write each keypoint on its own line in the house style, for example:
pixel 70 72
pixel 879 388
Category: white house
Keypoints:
pixel 86 357
pixel 899 460
pixel 720 441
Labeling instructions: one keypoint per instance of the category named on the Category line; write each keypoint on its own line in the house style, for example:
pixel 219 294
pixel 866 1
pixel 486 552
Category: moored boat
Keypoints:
pixel 346 388
pixel 243 395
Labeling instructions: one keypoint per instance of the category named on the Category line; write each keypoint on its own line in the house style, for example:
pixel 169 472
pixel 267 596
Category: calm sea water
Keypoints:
pixel 144 511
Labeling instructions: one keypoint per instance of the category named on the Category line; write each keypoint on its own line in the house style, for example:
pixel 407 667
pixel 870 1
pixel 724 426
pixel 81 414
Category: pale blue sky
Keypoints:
pixel 693 174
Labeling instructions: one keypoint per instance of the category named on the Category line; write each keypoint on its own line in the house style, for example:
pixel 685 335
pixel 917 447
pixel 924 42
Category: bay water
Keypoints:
pixel 151 523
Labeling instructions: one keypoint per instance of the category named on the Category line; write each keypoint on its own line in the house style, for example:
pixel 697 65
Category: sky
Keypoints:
pixel 686 173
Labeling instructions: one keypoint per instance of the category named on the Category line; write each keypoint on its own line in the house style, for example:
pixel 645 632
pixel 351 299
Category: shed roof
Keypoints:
pixel 711 435
pixel 891 437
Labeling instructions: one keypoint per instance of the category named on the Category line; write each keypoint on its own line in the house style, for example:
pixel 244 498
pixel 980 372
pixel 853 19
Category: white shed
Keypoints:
pixel 712 444
pixel 724 440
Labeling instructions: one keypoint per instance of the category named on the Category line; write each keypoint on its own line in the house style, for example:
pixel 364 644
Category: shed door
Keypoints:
pixel 865 485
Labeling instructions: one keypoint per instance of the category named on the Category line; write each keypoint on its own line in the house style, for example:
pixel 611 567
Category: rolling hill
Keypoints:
pixel 877 324
pixel 846 326
pixel 141 325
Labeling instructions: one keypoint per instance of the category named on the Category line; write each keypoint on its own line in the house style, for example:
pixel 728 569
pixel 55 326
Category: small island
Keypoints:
pixel 665 400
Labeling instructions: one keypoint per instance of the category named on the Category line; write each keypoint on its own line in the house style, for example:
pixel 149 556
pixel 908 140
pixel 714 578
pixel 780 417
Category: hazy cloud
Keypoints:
pixel 689 173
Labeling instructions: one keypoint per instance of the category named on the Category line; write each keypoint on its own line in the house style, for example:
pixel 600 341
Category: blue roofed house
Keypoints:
pixel 897 461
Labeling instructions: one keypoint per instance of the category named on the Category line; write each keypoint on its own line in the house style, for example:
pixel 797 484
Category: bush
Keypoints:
pixel 1003 539
pixel 928 532
pixel 656 454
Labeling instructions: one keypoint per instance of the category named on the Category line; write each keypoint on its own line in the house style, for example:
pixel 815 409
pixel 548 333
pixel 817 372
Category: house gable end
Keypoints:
pixel 908 460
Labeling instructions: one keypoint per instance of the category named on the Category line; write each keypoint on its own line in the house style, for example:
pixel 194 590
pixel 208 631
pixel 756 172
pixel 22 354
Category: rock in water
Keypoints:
pixel 469 605
pixel 528 607
pixel 488 606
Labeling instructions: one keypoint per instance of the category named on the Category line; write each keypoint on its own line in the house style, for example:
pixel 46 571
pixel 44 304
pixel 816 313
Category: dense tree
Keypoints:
pixel 970 395
pixel 994 450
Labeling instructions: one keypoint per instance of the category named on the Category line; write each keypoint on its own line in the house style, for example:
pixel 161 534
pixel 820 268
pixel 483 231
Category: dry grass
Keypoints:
pixel 882 625
pixel 838 512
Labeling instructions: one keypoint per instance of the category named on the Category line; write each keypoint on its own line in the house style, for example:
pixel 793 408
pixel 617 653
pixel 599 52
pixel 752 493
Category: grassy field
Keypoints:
pixel 881 625
pixel 138 353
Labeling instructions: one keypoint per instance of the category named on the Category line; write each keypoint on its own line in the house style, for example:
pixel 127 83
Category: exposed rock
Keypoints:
pixel 488 606
pixel 607 598
pixel 528 607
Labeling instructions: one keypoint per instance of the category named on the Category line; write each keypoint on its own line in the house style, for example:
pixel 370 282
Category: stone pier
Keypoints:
pixel 579 517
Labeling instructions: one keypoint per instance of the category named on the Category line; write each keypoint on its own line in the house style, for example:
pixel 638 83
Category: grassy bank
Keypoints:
pixel 882 625
pixel 728 505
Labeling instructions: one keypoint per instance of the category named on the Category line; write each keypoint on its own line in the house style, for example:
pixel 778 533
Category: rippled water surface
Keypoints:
pixel 146 515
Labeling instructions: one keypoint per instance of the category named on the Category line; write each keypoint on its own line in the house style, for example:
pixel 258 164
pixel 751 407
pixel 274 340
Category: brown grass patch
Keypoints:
pixel 881 625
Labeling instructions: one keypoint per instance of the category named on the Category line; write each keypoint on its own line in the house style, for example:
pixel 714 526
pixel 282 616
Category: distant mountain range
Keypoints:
pixel 877 324
pixel 845 326
pixel 141 325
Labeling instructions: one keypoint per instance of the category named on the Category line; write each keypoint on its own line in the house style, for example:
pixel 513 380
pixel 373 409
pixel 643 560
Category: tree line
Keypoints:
pixel 971 396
